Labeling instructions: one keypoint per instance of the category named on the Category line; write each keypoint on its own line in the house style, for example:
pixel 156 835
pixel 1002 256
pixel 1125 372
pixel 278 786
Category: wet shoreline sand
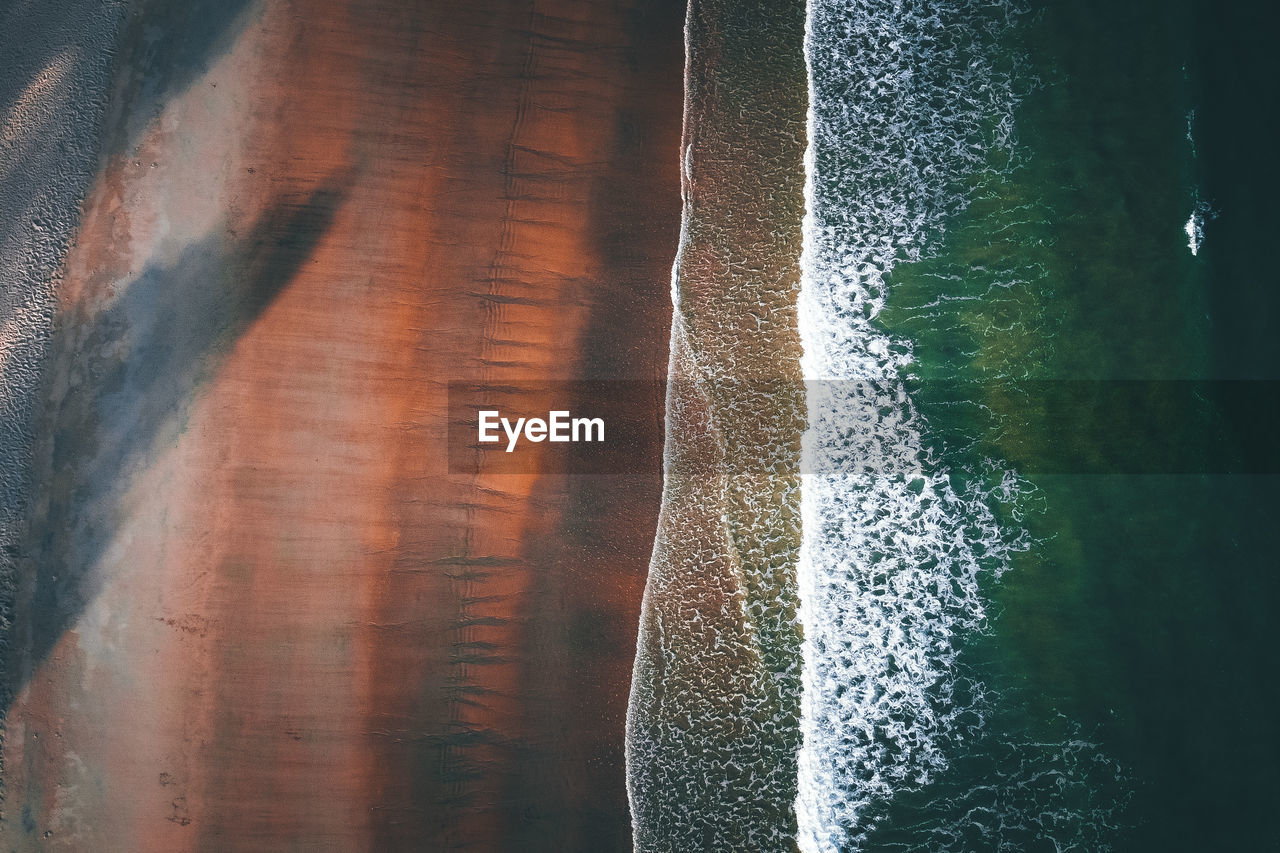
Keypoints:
pixel 714 718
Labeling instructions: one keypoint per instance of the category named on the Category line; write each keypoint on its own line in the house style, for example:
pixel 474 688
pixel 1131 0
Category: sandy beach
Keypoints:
pixel 255 610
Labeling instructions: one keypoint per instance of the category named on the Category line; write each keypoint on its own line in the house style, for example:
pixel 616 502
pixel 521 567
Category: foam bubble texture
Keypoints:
pixel 907 99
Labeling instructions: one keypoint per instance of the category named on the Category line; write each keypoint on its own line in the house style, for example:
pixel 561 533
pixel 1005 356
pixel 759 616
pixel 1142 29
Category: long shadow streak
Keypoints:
pixel 131 373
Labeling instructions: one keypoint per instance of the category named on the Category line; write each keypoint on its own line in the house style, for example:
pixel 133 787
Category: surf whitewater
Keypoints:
pixel 902 104
pixel 905 103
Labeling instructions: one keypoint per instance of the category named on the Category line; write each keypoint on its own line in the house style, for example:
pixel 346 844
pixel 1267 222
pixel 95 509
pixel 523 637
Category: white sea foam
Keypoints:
pixel 1194 230
pixel 1194 227
pixel 906 102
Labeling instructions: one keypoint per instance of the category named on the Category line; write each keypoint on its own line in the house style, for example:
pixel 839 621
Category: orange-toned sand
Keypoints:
pixel 287 625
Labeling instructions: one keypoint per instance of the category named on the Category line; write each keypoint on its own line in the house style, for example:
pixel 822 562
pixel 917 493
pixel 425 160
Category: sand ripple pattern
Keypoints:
pixel 58 58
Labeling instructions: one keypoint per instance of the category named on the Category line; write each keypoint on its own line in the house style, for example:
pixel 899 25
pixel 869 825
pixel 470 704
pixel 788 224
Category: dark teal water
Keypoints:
pixel 1131 667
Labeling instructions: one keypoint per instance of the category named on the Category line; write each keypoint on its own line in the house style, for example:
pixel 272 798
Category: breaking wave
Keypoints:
pixel 908 99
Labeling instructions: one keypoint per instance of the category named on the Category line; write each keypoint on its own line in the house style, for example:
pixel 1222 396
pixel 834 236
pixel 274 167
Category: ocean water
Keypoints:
pixel 1002 653
pixel 907 101
pixel 1035 289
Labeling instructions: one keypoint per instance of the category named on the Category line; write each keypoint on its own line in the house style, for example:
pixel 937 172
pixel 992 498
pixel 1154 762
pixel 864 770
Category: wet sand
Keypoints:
pixel 256 611
pixel 714 718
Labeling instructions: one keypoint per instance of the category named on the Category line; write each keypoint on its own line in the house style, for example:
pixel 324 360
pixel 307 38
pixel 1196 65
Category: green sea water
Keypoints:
pixel 1130 667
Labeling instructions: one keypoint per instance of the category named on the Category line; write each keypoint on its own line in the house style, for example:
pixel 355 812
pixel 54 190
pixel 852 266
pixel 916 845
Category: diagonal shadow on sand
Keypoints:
pixel 168 47
pixel 57 59
pixel 123 381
